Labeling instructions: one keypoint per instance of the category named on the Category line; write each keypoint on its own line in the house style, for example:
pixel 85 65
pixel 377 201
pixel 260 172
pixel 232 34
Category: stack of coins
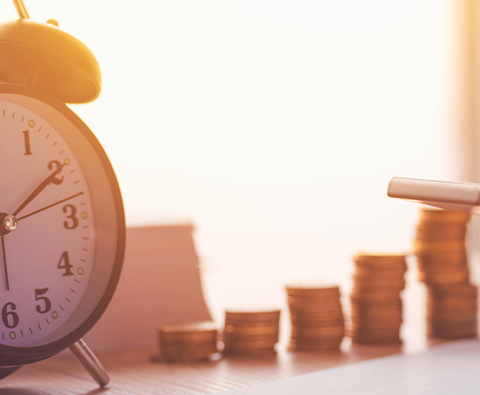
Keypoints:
pixel 440 247
pixel 251 332
pixel 316 317
pixel 188 342
pixel 376 305
pixel 452 310
pixel 443 266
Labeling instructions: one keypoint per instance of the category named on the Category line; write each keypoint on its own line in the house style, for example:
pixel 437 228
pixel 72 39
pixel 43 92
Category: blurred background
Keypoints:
pixel 275 126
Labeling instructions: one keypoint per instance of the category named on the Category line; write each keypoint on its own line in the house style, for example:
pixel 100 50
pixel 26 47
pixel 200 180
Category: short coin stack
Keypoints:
pixel 440 246
pixel 443 266
pixel 188 342
pixel 376 305
pixel 316 317
pixel 452 311
pixel 251 332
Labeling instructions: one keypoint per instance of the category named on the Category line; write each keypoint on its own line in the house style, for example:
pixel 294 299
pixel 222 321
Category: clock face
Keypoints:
pixel 62 226
pixel 46 259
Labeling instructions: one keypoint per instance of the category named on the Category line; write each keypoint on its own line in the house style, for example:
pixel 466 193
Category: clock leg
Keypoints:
pixel 90 362
pixel 4 372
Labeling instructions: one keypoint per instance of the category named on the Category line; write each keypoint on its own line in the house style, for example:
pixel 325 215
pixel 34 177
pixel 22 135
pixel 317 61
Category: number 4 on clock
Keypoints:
pixel 66 264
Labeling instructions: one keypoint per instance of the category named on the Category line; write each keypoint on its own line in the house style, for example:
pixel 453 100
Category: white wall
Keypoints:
pixel 274 126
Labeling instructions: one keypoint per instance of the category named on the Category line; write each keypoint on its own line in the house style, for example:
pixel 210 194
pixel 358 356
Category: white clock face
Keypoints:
pixel 48 246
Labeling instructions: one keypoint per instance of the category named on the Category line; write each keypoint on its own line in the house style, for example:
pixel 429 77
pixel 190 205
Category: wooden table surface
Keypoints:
pixel 133 372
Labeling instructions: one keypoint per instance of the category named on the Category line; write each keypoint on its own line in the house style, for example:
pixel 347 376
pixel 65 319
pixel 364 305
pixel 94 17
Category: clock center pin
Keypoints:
pixel 9 223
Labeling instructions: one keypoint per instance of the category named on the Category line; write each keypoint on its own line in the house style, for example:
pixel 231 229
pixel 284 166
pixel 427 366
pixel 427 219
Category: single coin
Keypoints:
pixel 442 255
pixel 234 343
pixel 315 308
pixel 250 352
pixel 381 262
pixel 305 331
pixel 198 332
pixel 428 262
pixel 438 237
pixel 464 289
pixel 441 278
pixel 250 315
pixel 455 302
pixel 299 345
pixel 380 282
pixel 330 300
pixel 313 290
pixel 194 327
pixel 360 339
pixel 188 353
pixel 440 215
pixel 452 335
pixel 443 269
pixel 315 317
pixel 357 301
pixel 235 337
pixel 252 330
pixel 373 295
pixel 379 274
pixel 424 246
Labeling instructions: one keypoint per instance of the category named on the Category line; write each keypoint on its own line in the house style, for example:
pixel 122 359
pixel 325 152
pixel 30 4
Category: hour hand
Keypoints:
pixel 49 180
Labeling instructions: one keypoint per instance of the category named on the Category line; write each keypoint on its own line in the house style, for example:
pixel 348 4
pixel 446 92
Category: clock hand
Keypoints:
pixel 5 264
pixel 51 205
pixel 41 187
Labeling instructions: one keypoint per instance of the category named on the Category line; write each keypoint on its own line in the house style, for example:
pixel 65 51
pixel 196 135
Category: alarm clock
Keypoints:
pixel 62 224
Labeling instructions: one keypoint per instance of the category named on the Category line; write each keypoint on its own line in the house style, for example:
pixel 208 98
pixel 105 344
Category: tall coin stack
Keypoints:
pixel 376 305
pixel 443 266
pixel 188 342
pixel 316 317
pixel 251 332
pixel 452 310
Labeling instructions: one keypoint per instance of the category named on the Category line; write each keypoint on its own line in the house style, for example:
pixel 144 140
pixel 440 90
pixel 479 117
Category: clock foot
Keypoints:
pixel 90 362
pixel 4 372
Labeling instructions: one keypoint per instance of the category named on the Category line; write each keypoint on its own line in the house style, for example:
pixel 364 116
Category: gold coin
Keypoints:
pixel 306 331
pixel 440 215
pixel 365 339
pixel 235 338
pixel 313 291
pixel 252 330
pixel 330 300
pixel 188 353
pixel 309 345
pixel 435 278
pixel 199 332
pixel 375 282
pixel 261 343
pixel 376 296
pixel 463 289
pixel 194 327
pixel 250 352
pixel 250 315
pixel 315 317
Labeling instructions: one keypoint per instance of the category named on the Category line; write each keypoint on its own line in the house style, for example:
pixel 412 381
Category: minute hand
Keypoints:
pixel 39 189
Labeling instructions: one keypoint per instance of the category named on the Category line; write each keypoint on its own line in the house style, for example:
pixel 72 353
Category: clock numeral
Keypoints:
pixel 26 137
pixel 38 296
pixel 67 266
pixel 56 164
pixel 73 211
pixel 6 314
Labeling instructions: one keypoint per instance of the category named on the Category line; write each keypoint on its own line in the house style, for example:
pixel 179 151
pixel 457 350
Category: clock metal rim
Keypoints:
pixel 11 356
